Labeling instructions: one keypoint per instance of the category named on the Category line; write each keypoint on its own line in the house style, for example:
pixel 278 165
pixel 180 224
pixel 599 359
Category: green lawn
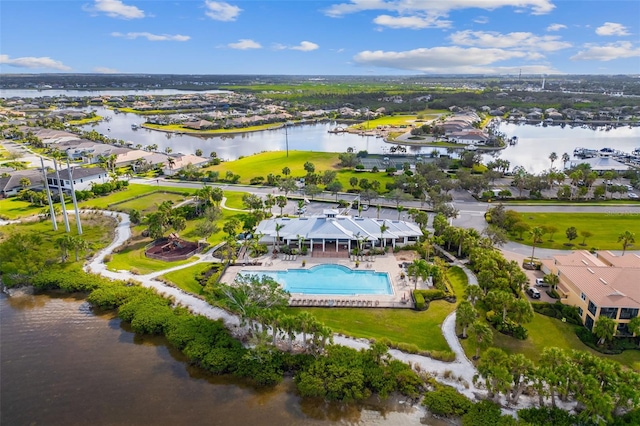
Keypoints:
pixel 132 257
pixel 186 278
pixel 132 191
pixel 234 199
pixel 398 325
pixel 605 227
pixel 149 203
pixel 273 162
pixel 546 331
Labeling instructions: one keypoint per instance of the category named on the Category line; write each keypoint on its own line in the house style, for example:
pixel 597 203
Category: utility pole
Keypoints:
pixel 75 201
pixel 49 200
pixel 64 207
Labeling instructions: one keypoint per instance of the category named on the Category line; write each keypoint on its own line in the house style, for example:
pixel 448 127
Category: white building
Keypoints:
pixel 333 232
pixel 82 178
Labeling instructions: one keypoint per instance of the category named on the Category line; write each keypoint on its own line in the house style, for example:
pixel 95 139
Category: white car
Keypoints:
pixel 633 195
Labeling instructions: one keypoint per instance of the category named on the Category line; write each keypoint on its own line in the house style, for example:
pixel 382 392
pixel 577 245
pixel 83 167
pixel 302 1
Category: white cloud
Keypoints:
pixel 607 52
pixel 105 70
pixel 411 22
pixel 481 20
pixel 33 62
pixel 115 9
pixel 414 14
pixel 152 37
pixel 221 11
pixel 612 29
pixel 516 40
pixel 245 44
pixel 305 46
pixel 450 59
pixel 556 27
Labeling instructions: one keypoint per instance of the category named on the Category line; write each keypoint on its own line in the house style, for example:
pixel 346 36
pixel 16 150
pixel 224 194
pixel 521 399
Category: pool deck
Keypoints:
pixel 401 297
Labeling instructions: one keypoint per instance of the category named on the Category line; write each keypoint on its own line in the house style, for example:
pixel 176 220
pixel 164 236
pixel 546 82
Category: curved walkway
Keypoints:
pixel 458 373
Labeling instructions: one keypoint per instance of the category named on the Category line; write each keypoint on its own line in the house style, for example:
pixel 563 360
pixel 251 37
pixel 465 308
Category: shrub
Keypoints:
pixel 446 401
pixel 419 299
pixel 547 416
pixel 432 294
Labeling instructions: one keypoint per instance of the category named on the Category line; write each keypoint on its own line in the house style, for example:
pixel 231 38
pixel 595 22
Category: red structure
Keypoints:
pixel 172 248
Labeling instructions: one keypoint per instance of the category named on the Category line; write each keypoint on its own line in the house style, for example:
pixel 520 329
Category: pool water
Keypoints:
pixel 329 279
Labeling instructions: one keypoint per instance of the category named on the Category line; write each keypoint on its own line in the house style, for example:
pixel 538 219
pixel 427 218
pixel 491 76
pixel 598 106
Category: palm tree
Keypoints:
pixel 383 228
pixel 484 336
pixel 565 159
pixel 465 316
pixel 553 157
pixel 473 293
pixel 627 238
pixel 279 226
pixel 78 244
pixel 536 233
pixel 634 327
pixel 604 329
pixel 418 269
pixel 64 243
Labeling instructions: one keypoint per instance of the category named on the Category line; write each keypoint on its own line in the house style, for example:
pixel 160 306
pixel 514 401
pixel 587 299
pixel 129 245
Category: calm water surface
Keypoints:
pixel 63 365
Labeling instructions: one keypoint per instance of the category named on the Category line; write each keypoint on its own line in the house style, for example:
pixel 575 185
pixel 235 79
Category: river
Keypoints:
pixel 63 364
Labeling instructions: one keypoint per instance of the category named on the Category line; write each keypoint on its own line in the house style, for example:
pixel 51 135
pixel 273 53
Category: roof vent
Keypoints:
pixel 585 262
pixel 590 270
pixel 602 281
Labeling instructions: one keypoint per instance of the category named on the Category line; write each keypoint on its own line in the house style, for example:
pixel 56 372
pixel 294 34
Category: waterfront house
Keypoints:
pixel 83 178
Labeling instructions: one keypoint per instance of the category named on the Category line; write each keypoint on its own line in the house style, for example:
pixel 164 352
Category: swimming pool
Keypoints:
pixel 329 279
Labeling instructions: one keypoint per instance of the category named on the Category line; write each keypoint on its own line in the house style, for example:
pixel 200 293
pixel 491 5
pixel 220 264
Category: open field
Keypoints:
pixel 546 331
pixel 605 228
pixel 149 203
pixel 398 325
pixel 264 163
pixel 273 162
pixel 185 278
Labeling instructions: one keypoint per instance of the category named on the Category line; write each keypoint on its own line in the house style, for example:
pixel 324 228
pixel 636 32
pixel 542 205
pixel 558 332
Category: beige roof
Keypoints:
pixel 604 285
pixel 629 260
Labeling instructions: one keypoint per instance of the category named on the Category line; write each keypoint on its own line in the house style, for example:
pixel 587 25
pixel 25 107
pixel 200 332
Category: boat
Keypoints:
pixel 134 127
pixel 472 147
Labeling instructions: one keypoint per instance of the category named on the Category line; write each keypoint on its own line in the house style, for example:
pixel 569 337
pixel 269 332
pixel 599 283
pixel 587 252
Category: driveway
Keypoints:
pixel 532 275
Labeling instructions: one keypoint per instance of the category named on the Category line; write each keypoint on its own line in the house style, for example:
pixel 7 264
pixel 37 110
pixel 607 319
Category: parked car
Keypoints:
pixel 633 195
pixel 533 293
pixel 540 283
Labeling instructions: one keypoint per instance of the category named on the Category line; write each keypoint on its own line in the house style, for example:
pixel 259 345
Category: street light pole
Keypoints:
pixel 286 138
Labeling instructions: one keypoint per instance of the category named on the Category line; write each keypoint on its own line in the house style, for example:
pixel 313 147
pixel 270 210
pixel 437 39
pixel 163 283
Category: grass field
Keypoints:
pixel 546 331
pixel 149 203
pixel 398 325
pixel 605 227
pixel 273 162
pixel 185 278
pixel 265 163
pixel 132 258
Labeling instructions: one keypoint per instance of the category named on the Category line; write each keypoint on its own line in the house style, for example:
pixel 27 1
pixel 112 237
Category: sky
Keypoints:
pixel 344 37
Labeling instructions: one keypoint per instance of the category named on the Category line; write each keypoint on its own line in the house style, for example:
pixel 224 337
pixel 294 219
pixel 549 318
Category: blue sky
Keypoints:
pixel 349 37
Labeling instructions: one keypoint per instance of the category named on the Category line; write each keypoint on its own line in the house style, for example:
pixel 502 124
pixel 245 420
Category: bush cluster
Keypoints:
pixel 559 311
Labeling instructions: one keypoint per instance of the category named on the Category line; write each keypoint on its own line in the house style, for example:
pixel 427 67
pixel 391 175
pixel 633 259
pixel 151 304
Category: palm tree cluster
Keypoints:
pixel 71 242
pixel 601 386
pixel 260 303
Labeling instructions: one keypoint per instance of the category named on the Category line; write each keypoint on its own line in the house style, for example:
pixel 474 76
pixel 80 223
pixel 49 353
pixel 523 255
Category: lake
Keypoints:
pixel 62 364
pixel 535 143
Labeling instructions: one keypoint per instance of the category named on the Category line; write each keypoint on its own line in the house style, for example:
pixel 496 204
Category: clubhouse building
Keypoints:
pixel 333 234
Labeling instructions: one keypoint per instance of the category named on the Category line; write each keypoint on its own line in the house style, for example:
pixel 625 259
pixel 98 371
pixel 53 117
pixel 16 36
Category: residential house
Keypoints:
pixel 180 161
pixel 83 178
pixel 11 184
pixel 599 284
